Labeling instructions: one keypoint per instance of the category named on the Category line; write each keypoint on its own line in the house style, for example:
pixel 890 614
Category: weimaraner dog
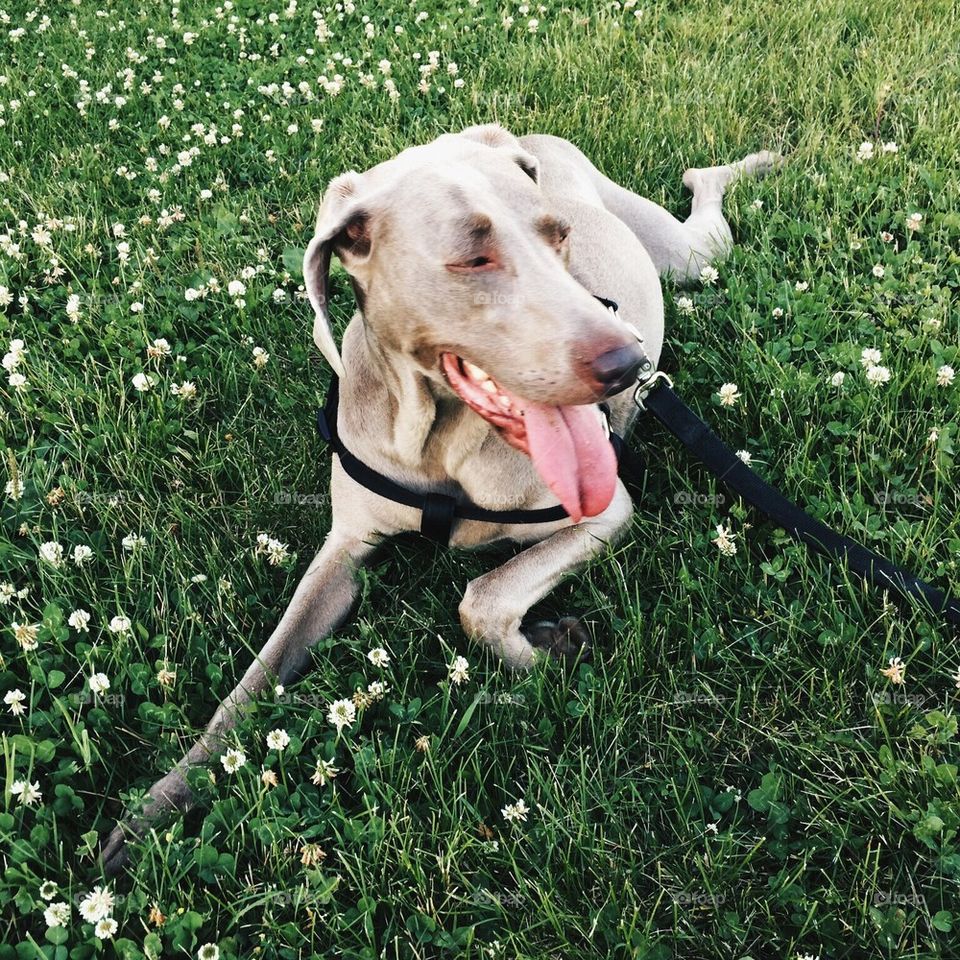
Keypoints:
pixel 474 367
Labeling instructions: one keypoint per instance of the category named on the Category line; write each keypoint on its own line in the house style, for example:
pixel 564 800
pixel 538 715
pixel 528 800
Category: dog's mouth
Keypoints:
pixel 568 444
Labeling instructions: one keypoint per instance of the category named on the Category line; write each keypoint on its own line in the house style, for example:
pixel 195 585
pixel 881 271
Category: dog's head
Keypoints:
pixel 460 268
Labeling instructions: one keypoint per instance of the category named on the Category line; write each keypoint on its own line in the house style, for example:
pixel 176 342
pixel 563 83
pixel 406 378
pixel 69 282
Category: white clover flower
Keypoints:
pixel 29 793
pixel 133 542
pixel 99 683
pixel 52 553
pixel 744 456
pixel 185 391
pixel 14 700
pixel 72 309
pixel 236 288
pixel 159 348
pixel 515 812
pixel 724 540
pixel 209 951
pixel 79 620
pixel 82 554
pixel 378 657
pixel 324 772
pixel 801 286
pixel 878 270
pixel 878 375
pixel 278 740
pixel 142 382
pixel 233 760
pixel 57 915
pixel 685 305
pixel 865 151
pixel 105 928
pixel 890 147
pixel 709 275
pixel 49 890
pixel 119 624
pixel 136 307
pixel 837 379
pixel 945 375
pixel 26 635
pixel 913 222
pixel 729 394
pixel 870 357
pixel 342 713
pixel 260 357
pixel 459 671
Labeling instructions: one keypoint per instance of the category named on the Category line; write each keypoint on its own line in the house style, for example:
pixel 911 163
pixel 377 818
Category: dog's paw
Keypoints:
pixel 563 639
pixel 760 164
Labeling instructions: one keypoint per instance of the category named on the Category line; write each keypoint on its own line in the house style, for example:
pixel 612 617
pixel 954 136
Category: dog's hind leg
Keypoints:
pixel 495 603
pixel 685 248
pixel 682 248
pixel 322 600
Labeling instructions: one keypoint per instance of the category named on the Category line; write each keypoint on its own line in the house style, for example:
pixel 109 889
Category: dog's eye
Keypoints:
pixel 475 265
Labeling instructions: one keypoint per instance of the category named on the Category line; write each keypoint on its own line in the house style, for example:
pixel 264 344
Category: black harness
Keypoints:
pixel 438 511
pixel 655 393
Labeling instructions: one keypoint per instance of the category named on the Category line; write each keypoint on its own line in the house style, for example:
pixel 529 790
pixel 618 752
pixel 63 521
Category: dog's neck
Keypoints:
pixel 396 415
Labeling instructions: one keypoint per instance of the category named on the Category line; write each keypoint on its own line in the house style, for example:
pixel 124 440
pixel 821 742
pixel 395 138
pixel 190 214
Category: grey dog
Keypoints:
pixel 474 367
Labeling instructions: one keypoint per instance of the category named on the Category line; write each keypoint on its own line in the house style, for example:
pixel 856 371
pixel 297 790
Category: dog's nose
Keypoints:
pixel 616 369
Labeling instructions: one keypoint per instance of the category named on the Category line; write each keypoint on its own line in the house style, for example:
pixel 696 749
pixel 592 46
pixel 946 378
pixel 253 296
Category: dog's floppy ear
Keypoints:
pixel 343 226
pixel 493 135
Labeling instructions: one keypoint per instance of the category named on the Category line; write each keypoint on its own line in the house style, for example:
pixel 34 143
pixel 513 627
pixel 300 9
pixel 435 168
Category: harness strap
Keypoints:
pixel 439 512
pixel 721 461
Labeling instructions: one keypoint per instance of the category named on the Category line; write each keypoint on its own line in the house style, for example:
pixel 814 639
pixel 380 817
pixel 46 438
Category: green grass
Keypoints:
pixel 732 776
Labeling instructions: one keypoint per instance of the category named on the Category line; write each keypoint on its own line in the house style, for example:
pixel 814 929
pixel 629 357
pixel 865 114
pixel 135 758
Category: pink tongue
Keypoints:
pixel 571 452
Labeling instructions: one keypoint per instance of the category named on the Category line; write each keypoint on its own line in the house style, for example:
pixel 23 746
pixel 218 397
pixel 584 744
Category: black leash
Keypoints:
pixel 657 396
pixel 439 511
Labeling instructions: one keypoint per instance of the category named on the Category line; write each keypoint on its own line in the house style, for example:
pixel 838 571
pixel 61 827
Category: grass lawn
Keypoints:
pixel 734 775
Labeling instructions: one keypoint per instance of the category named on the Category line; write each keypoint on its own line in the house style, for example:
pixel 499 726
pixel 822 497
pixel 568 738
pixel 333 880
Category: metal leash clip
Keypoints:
pixel 648 383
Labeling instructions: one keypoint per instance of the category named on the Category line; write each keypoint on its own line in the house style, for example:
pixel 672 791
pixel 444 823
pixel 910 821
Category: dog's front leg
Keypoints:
pixel 494 604
pixel 322 600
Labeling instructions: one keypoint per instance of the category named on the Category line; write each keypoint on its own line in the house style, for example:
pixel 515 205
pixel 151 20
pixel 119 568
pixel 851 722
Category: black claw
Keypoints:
pixel 565 639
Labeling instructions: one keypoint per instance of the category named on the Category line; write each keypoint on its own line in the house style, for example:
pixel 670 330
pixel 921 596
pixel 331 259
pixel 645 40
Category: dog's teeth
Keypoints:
pixel 475 373
pixel 488 385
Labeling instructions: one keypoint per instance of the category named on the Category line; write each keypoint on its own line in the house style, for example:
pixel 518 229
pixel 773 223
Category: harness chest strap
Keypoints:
pixel 439 511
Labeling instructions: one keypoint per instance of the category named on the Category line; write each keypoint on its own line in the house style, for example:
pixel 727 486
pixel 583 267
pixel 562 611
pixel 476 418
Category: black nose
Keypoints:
pixel 617 368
